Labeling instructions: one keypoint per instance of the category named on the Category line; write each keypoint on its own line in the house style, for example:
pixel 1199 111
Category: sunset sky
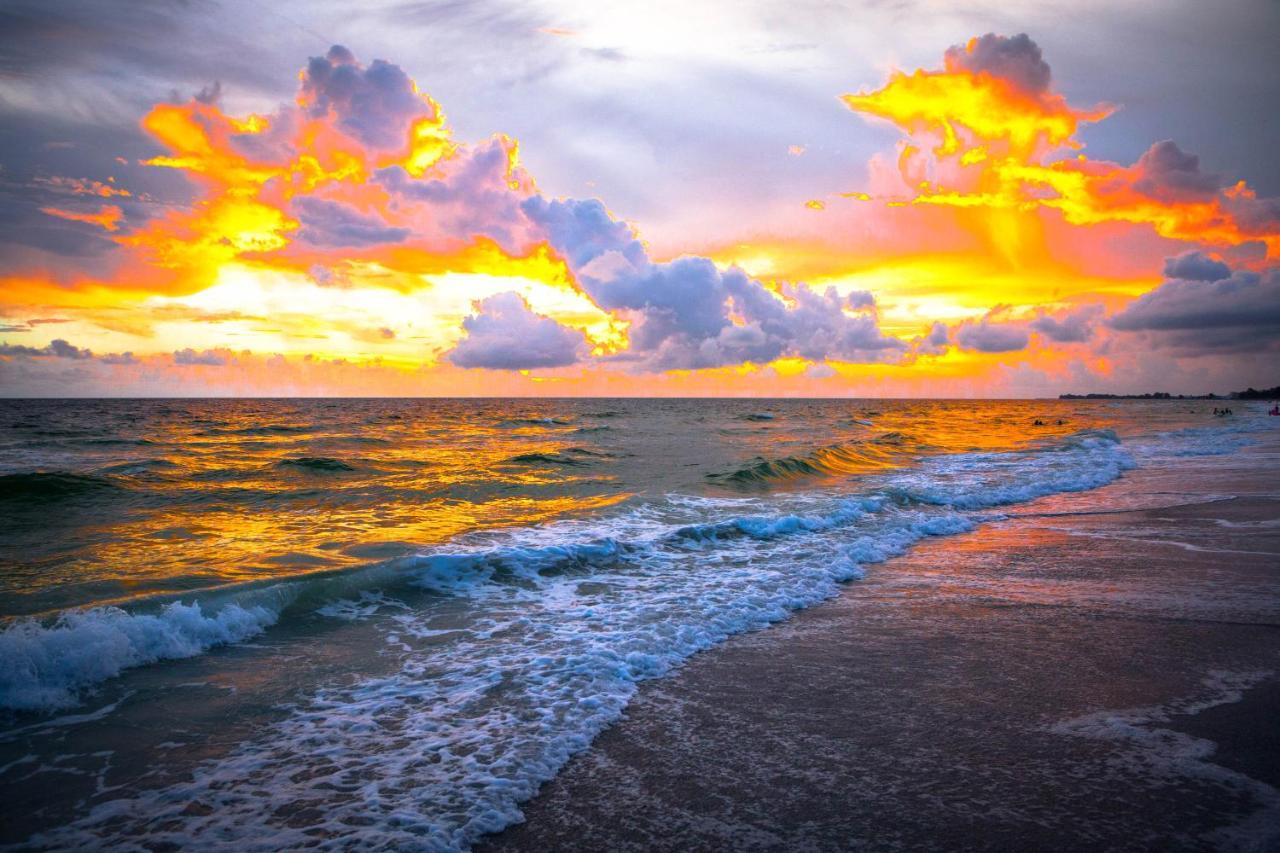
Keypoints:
pixel 694 198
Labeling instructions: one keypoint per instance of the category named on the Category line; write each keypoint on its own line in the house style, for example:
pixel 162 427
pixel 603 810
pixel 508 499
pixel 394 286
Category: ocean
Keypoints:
pixel 385 623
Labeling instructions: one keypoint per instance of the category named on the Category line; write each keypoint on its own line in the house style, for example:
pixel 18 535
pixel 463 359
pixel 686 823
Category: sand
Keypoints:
pixel 1076 681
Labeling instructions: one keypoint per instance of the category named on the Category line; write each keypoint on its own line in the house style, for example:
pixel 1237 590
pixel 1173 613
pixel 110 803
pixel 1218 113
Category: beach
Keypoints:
pixel 1052 681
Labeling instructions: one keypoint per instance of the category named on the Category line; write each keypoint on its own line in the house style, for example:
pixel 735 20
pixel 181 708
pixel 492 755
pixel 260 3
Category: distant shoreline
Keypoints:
pixel 1247 394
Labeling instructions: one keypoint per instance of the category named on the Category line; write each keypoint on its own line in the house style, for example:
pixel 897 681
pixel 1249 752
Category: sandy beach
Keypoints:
pixel 1049 681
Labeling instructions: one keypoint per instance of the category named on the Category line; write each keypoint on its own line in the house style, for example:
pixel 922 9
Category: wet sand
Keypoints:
pixel 1050 681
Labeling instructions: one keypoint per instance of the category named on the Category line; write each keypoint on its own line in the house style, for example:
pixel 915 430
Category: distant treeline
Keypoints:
pixel 1247 394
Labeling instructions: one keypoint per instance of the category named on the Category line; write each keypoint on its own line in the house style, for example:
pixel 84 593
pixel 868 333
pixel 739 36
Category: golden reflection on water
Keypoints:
pixel 181 495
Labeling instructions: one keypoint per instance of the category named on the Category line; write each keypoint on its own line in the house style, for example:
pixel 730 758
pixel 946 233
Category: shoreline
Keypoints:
pixel 1047 681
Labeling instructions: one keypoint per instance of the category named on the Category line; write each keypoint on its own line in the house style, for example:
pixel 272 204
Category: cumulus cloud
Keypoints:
pixel 475 192
pixel 376 104
pixel 1238 312
pixel 1013 58
pixel 1169 174
pixel 690 314
pixel 505 334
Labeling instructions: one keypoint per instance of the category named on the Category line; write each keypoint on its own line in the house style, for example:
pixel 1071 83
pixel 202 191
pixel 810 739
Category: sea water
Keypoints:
pixel 384 623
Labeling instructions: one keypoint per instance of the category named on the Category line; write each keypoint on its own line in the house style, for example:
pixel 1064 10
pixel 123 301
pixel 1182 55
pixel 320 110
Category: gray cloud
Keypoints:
pixel 375 104
pixel 690 314
pixel 332 223
pixel 1195 266
pixel 1237 313
pixel 57 348
pixel 506 335
pixel 1169 174
pixel 1070 327
pixel 935 342
pixel 189 356
pixel 1013 58
pixel 990 336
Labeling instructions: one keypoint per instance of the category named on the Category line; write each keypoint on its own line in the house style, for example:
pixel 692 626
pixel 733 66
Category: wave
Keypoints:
pixel 49 486
pixel 530 422
pixel 574 456
pixel 315 463
pixel 46 664
pixel 140 467
pixel 973 481
pixel 45 667
pixel 265 429
pixel 757 416
pixel 836 460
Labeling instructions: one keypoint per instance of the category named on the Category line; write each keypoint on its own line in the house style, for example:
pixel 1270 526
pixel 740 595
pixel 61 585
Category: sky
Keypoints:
pixel 804 198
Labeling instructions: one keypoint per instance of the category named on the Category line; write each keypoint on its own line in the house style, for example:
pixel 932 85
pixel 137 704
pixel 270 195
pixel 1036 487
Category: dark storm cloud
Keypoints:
pixel 1014 58
pixel 506 335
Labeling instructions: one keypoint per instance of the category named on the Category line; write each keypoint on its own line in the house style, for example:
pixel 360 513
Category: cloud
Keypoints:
pixel 1195 266
pixel 979 145
pixel 1169 174
pixel 987 335
pixel 188 356
pixel 1239 312
pixel 331 223
pixel 57 348
pixel 1070 327
pixel 690 314
pixel 935 342
pixel 505 334
pixel 107 218
pixel 1013 58
pixel 376 104
pixel 61 349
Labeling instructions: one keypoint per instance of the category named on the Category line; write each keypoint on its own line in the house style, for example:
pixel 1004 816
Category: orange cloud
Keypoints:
pixel 994 137
pixel 108 216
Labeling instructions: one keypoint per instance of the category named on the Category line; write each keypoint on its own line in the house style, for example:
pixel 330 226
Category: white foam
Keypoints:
pixel 46 666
